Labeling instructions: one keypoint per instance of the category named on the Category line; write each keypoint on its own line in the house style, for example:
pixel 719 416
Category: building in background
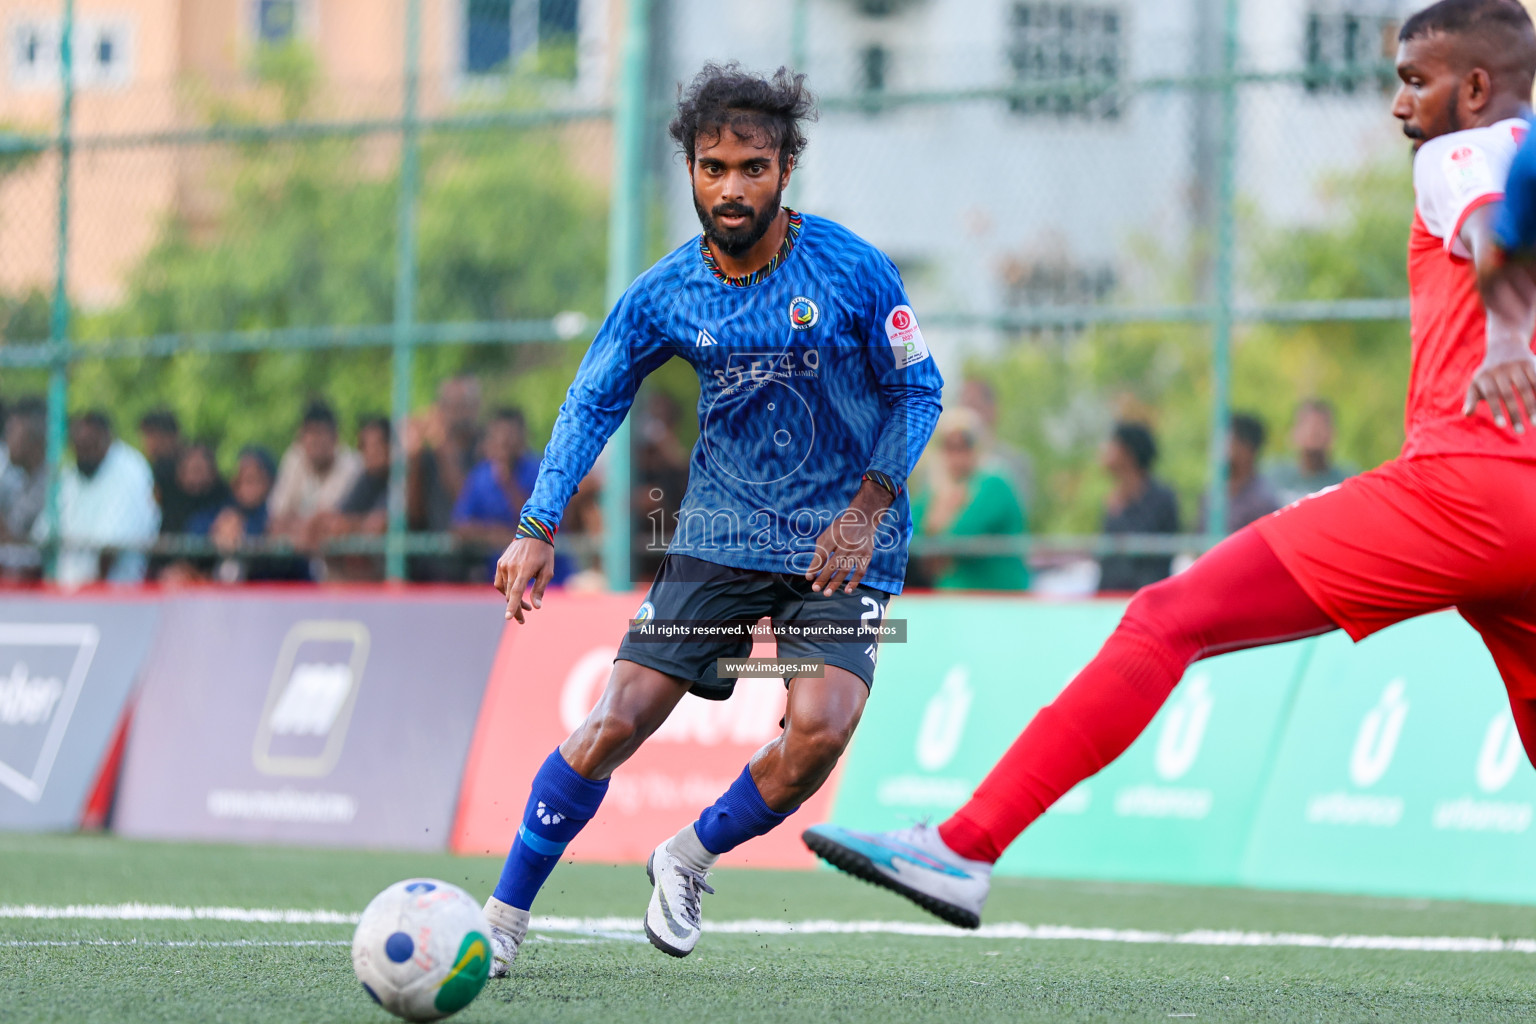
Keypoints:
pixel 145 68
pixel 990 205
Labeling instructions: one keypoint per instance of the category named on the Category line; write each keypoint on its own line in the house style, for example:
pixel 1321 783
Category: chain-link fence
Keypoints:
pixel 417 213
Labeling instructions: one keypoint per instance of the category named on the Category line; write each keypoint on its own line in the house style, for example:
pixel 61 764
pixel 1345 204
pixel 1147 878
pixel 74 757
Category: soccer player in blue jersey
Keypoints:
pixel 1508 284
pixel 817 394
pixel 1516 223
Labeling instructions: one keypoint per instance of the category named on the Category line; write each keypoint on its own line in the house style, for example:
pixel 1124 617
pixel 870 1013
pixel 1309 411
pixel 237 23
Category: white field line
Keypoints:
pixel 248 943
pixel 191 943
pixel 626 928
pixel 165 912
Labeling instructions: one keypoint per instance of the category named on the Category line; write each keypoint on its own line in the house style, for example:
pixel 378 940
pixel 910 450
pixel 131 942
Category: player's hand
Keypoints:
pixel 844 549
pixel 1509 387
pixel 526 561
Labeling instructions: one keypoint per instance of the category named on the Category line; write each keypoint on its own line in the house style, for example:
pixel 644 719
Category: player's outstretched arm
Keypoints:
pixel 1507 379
pixel 526 563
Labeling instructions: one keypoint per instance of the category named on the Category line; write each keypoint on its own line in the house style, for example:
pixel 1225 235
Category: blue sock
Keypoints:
pixel 737 816
pixel 560 804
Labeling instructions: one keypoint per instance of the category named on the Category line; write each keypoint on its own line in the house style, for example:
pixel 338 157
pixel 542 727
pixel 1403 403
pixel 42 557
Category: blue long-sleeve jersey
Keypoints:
pixel 808 379
pixel 1517 220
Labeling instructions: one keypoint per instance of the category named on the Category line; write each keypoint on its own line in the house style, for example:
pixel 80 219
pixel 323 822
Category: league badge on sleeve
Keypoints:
pixel 803 313
pixel 906 337
pixel 1466 168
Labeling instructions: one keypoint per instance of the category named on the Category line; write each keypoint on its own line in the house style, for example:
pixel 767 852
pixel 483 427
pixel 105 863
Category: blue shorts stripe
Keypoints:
pixel 538 844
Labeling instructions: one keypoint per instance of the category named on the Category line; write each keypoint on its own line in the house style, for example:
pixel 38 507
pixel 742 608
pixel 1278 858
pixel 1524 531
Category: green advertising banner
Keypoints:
pixel 1401 774
pixel 1177 807
pixel 947 703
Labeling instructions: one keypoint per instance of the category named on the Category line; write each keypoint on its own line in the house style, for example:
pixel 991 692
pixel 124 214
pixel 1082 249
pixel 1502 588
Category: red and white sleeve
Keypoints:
pixel 1456 174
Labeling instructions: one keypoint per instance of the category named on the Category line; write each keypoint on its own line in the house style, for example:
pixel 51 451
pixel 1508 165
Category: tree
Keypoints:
pixel 1059 395
pixel 304 236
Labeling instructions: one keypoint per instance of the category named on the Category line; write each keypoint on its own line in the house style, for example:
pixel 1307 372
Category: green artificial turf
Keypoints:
pixel 772 977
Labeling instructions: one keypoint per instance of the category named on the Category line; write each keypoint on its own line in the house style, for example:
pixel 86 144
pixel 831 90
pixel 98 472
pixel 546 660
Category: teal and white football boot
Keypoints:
pixel 913 862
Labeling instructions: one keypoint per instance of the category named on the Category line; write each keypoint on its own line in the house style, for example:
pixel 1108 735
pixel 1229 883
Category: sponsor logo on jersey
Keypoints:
pixel 310 701
pixel 907 343
pixel 704 339
pixel 803 313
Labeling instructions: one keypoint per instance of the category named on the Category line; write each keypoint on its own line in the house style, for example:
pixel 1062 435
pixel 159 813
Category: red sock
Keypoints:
pixel 1238 595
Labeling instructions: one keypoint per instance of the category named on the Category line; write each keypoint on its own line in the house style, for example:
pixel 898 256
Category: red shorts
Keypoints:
pixel 1419 535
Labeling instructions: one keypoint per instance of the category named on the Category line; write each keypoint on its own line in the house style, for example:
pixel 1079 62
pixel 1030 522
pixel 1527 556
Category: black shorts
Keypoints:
pixel 692 590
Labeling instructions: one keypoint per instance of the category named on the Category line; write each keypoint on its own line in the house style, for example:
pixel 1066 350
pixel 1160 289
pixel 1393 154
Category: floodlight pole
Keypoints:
pixel 626 250
pixel 1222 293
pixel 404 341
pixel 58 320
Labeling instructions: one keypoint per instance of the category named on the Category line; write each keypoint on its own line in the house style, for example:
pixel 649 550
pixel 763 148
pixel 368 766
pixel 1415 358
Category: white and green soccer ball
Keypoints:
pixel 422 949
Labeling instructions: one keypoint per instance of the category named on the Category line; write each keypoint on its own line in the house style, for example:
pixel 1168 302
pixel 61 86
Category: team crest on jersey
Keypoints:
pixel 704 339
pixel 803 313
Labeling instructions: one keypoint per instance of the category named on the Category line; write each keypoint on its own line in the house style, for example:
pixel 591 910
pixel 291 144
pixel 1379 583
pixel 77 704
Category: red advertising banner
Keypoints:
pixel 547 675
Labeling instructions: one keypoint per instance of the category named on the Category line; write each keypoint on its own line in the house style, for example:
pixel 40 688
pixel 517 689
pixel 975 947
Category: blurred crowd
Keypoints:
pixel 295 516
pixel 272 517
pixel 972 485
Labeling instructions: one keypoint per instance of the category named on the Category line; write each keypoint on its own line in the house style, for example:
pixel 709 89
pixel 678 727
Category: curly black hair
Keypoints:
pixel 723 96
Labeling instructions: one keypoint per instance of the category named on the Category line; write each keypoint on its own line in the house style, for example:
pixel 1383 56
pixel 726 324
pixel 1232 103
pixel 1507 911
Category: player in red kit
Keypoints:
pixel 1451 522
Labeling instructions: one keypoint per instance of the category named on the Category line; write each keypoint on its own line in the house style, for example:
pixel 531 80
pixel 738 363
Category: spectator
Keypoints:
pixel 492 500
pixel 203 495
pixel 441 448
pixel 5 448
pixel 661 478
pixel 201 489
pixel 365 509
pixel 245 518
pixel 966 499
pixel 106 507
pixel 1312 433
pixel 315 475
pixel 583 526
pixel 160 439
pixel 1139 503
pixel 23 487
pixel 1012 463
pixel 1249 495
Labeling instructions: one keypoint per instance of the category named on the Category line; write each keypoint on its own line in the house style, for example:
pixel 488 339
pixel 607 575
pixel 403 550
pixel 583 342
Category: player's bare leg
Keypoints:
pixel 636 702
pixel 568 789
pixel 1237 596
pixel 819 720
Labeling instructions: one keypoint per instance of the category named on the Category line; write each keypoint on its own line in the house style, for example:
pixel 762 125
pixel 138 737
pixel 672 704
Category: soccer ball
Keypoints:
pixel 422 949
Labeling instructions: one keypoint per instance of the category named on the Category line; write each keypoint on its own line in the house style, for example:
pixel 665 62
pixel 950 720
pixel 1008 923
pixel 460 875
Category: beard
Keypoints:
pixel 737 243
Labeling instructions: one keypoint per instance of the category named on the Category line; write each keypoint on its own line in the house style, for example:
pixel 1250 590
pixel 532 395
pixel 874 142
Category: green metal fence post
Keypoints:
pixel 626 244
pixel 58 321
pixel 798 25
pixel 1222 293
pixel 404 342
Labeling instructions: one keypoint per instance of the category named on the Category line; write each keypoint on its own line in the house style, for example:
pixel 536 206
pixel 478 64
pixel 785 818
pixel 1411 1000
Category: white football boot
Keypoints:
pixel 673 919
pixel 509 926
pixel 913 862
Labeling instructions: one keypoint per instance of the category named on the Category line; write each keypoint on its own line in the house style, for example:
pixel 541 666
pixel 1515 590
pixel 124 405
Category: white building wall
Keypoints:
pixel 963 194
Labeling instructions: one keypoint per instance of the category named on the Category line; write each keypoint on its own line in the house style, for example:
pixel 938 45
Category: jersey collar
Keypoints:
pixel 791 236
